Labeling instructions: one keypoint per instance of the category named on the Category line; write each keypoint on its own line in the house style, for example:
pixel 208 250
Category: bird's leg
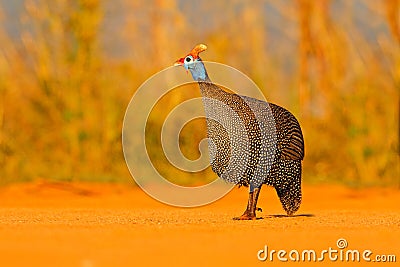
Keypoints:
pixel 247 212
pixel 250 212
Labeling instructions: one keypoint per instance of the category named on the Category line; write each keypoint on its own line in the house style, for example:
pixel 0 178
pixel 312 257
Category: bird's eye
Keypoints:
pixel 188 59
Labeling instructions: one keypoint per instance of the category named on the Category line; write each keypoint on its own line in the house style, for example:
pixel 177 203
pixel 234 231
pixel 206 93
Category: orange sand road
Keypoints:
pixel 86 225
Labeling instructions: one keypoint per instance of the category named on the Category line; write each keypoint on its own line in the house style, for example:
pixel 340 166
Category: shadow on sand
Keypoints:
pixel 285 216
pixel 279 216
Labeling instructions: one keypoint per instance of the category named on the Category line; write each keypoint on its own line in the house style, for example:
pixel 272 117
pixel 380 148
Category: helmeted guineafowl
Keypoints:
pixel 252 142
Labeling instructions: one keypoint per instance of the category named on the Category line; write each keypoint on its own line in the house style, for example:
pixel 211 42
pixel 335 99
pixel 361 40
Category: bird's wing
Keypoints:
pixel 290 143
pixel 290 137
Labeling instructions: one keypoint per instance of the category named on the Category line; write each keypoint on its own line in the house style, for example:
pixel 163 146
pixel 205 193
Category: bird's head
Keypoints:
pixel 193 63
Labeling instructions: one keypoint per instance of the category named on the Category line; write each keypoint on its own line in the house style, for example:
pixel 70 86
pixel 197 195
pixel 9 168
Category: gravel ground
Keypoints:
pixel 61 224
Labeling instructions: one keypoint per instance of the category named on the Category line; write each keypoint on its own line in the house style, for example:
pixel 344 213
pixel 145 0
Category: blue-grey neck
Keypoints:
pixel 198 71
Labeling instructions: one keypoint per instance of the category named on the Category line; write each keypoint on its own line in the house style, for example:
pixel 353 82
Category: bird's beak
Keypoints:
pixel 179 62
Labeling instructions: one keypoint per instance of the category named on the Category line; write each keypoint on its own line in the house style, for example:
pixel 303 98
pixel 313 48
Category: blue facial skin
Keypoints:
pixel 196 68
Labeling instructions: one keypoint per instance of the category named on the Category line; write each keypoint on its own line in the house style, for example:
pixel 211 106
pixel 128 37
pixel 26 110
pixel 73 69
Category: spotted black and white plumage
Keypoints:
pixel 251 142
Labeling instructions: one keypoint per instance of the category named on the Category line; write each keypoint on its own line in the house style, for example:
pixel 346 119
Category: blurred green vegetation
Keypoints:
pixel 69 72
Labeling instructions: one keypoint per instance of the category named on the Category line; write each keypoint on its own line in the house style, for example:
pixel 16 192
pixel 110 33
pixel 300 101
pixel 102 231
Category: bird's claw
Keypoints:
pixel 246 216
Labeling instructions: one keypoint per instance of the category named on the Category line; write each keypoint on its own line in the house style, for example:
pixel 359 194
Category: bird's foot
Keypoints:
pixel 246 216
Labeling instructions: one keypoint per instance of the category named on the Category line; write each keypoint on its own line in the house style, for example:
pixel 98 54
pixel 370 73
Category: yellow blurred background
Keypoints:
pixel 68 69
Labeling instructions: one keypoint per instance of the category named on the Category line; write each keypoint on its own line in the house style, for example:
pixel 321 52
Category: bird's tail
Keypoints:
pixel 290 195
